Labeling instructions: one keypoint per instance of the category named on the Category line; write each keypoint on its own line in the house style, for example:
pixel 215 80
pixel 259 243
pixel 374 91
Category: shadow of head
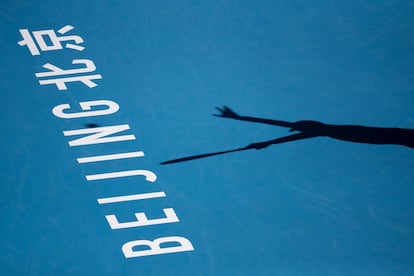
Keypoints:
pixel 308 127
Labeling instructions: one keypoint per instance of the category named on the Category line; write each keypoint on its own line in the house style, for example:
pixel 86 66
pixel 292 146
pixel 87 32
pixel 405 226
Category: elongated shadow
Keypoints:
pixel 311 129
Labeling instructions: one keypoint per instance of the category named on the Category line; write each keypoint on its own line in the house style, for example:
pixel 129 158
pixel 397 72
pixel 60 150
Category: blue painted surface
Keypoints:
pixel 312 207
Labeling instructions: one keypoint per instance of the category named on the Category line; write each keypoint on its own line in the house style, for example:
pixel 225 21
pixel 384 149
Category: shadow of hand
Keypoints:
pixel 226 112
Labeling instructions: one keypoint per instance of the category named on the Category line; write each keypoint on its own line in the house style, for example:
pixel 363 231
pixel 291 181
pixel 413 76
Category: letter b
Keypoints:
pixel 155 247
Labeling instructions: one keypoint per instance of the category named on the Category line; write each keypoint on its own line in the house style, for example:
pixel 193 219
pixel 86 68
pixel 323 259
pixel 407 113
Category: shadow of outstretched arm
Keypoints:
pixel 310 129
pixel 226 112
pixel 257 146
pixel 350 133
pixel 290 138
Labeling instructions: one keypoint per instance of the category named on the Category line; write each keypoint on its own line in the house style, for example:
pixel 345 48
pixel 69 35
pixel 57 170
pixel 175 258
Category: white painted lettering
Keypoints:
pixel 142 220
pixel 155 247
pixel 112 107
pixel 110 157
pixel 149 175
pixel 115 199
pixel 99 132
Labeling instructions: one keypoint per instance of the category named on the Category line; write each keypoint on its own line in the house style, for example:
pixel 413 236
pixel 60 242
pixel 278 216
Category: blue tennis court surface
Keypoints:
pixel 96 95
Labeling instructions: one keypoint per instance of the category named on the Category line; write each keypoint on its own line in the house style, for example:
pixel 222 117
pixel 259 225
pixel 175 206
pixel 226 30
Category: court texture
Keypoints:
pixel 306 169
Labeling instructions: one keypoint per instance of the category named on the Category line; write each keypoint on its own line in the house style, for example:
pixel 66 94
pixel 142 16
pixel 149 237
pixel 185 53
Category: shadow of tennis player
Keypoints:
pixel 310 129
